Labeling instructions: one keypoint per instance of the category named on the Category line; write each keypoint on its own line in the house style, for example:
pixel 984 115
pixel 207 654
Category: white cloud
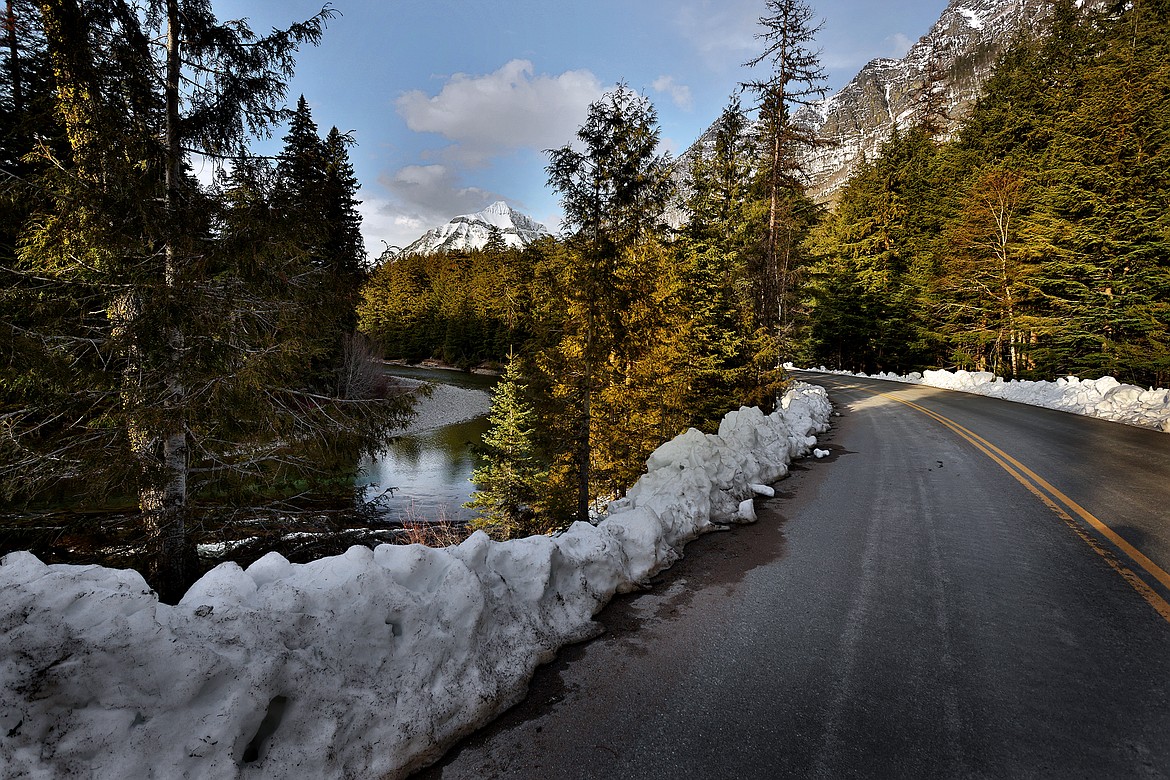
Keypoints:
pixel 680 94
pixel 434 190
pixel 420 197
pixel 494 114
pixel 722 31
pixel 899 44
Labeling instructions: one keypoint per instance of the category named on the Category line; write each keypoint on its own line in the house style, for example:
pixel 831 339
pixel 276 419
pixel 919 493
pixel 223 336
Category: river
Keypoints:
pixel 425 474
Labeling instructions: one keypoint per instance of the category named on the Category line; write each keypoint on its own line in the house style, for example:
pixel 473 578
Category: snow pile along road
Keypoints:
pixel 367 664
pixel 1105 397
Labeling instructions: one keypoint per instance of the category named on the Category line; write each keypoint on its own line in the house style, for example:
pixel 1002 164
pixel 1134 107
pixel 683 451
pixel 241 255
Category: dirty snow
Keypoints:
pixel 1105 398
pixel 366 664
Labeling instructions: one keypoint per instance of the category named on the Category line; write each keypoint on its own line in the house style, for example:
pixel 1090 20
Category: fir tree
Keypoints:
pixel 795 79
pixel 712 251
pixel 169 360
pixel 614 189
pixel 510 482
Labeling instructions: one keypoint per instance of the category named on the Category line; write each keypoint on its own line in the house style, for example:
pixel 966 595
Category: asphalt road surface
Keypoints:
pixel 966 587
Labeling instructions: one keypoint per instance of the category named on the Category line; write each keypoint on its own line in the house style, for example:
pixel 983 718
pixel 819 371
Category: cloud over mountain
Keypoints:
pixel 497 113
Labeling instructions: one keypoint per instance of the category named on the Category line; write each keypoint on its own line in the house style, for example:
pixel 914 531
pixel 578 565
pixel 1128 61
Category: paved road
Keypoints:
pixel 904 608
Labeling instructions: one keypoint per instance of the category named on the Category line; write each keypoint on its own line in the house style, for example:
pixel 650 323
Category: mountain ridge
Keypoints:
pixel 473 231
pixel 957 55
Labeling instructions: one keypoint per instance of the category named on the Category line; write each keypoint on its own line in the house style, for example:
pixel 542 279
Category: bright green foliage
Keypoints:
pixel 509 484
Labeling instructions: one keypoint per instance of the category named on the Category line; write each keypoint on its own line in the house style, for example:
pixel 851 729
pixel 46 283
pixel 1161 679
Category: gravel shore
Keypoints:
pixel 446 405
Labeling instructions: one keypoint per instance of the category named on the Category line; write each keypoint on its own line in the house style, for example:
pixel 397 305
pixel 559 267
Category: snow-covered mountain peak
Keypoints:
pixel 472 231
pixel 498 214
pixel 953 59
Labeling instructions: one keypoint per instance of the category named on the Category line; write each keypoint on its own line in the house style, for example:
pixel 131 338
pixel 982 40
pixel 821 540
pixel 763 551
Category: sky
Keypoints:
pixel 453 103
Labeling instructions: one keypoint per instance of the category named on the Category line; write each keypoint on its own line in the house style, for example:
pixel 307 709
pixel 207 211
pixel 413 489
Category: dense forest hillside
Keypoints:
pixel 1034 244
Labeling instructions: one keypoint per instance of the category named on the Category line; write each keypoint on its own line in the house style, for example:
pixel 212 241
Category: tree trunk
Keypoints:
pixel 163 498
pixel 584 451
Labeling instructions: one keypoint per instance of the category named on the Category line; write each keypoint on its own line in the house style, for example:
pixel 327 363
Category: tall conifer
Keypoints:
pixel 614 187
pixel 161 344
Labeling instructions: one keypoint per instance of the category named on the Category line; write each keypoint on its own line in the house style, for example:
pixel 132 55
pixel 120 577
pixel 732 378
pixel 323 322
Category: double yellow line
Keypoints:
pixel 1065 508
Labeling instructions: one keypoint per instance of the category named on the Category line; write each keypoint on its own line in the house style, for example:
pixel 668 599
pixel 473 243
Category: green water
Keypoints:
pixel 430 472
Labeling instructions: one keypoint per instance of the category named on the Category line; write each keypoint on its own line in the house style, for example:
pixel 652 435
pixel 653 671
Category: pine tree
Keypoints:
pixel 711 254
pixel 160 344
pixel 510 483
pixel 614 188
pixel 796 79
pixel 874 261
pixel 344 248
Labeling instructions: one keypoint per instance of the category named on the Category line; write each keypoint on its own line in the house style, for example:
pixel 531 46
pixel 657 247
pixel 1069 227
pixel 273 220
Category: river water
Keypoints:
pixel 426 476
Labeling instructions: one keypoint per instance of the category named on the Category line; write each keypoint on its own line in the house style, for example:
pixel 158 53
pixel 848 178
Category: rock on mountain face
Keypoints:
pixel 472 231
pixel 957 55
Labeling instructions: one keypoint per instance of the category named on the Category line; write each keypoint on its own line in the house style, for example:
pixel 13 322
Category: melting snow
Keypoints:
pixel 365 664
pixel 973 18
pixel 1105 398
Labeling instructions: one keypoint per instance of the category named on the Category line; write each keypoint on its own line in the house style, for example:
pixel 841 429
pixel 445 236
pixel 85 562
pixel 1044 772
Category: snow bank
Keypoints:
pixel 366 664
pixel 1105 397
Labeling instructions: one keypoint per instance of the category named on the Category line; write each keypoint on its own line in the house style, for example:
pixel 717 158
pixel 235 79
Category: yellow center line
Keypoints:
pixel 1054 500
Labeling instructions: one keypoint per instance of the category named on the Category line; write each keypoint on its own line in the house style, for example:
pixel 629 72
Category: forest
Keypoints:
pixel 173 349
pixel 188 350
pixel 1031 240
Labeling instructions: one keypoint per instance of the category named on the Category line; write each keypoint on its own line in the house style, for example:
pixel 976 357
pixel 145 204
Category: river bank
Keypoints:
pixel 439 405
pixel 423 473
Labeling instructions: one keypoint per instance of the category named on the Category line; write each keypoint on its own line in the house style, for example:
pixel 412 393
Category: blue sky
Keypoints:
pixel 452 102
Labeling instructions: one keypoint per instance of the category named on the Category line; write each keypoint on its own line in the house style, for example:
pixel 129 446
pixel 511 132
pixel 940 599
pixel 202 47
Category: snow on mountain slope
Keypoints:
pixel 472 231
pixel 955 58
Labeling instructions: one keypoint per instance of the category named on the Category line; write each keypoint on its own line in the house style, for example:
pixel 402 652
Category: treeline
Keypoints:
pixel 625 332
pixel 467 308
pixel 179 344
pixel 1034 244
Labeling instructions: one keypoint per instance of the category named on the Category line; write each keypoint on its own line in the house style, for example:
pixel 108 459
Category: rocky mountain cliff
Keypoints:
pixel 957 55
pixel 955 58
pixel 472 231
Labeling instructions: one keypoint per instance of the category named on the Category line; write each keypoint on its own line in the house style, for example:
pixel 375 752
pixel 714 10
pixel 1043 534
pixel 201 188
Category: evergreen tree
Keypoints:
pixel 1034 244
pixel 344 248
pixel 1110 277
pixel 157 344
pixel 874 262
pixel 510 483
pixel 795 79
pixel 711 254
pixel 614 187
pixel 300 175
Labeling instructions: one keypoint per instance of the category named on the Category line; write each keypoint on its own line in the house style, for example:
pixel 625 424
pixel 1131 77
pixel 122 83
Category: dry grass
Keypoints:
pixel 440 532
